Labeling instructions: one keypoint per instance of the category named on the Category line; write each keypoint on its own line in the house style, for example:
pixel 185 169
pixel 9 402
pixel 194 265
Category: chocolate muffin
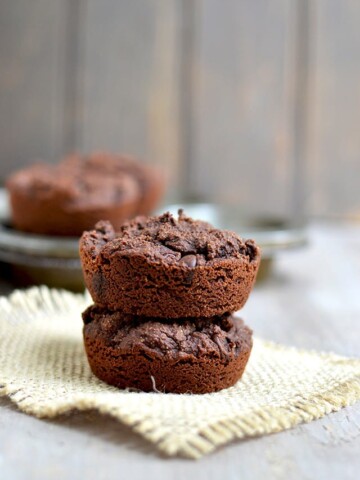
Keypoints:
pixel 187 355
pixel 70 197
pixel 167 267
pixel 150 180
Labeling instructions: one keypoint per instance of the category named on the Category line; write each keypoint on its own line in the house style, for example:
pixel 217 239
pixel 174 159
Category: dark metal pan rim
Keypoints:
pixel 272 234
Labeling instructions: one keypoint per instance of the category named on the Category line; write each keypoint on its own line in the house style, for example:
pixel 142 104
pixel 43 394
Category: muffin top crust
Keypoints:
pixel 171 240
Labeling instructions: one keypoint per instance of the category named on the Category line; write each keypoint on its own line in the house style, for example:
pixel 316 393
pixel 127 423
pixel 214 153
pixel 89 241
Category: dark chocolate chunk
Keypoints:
pixel 188 261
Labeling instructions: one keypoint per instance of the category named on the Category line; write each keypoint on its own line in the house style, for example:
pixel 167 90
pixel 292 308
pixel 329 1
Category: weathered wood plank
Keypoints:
pixel 32 53
pixel 243 103
pixel 88 75
pixel 335 115
pixel 130 73
pixel 312 299
pixel 97 448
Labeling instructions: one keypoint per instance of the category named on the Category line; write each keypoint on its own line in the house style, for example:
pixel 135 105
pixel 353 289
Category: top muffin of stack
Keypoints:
pixel 164 289
pixel 167 267
pixel 70 197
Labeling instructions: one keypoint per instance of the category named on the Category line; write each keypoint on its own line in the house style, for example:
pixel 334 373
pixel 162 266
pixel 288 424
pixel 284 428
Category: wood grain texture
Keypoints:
pixel 32 56
pixel 243 103
pixel 311 301
pixel 209 90
pixel 130 64
pixel 334 150
pixel 86 445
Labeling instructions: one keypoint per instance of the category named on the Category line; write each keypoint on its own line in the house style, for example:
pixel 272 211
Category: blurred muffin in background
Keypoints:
pixel 70 197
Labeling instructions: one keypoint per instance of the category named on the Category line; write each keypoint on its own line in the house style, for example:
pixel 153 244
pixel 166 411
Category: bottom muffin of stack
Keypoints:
pixel 139 340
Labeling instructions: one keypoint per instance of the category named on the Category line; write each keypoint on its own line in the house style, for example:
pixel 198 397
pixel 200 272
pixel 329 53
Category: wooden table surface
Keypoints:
pixel 311 301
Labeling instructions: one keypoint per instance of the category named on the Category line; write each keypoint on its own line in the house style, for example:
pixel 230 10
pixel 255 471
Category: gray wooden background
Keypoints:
pixel 242 101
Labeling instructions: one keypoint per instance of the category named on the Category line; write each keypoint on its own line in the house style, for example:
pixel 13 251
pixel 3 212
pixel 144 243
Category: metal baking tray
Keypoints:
pixel 54 261
pixel 32 259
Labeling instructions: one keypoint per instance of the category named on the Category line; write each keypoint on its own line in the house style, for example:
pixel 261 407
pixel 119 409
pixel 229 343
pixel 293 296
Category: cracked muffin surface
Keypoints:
pixel 168 267
pixel 168 239
pixel 196 355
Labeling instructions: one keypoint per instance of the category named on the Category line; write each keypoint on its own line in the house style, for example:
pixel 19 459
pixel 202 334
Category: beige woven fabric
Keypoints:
pixel 43 369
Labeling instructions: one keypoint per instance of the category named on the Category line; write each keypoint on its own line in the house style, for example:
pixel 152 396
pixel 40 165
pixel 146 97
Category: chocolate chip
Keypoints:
pixel 250 249
pixel 188 261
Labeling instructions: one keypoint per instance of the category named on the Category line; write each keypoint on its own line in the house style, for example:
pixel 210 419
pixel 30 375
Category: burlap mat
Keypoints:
pixel 43 369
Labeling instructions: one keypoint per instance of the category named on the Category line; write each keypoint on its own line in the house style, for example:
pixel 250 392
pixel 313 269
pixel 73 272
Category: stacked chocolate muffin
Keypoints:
pixel 164 290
